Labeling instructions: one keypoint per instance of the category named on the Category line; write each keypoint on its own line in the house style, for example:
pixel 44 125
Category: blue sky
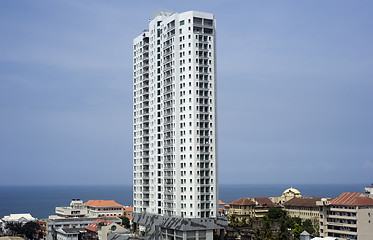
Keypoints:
pixel 295 90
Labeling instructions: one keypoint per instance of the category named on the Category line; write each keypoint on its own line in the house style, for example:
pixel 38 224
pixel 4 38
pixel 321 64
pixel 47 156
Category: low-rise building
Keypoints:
pixel 100 229
pixel 223 208
pixel 101 208
pixel 349 216
pixel 304 208
pixel 242 208
pixel 69 223
pixel 262 205
pixel 69 233
pixel 250 207
pixel 19 218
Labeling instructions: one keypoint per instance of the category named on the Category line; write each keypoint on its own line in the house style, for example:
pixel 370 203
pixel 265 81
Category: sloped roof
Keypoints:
pixel 94 226
pixel 242 202
pixel 128 209
pixel 353 199
pixel 102 203
pixel 18 217
pixel 303 202
pixel 265 202
pixel 221 202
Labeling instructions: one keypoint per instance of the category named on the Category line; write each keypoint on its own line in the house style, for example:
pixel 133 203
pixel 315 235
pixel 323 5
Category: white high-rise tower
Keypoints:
pixel 175 155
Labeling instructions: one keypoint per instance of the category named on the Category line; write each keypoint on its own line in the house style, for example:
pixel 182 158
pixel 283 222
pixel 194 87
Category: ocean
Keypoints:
pixel 40 201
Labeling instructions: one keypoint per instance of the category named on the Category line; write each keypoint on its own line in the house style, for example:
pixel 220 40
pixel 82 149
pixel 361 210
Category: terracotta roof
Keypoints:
pixel 102 203
pixel 265 202
pixel 302 202
pixel 242 202
pixel 221 202
pixel 352 198
pixel 94 226
pixel 128 209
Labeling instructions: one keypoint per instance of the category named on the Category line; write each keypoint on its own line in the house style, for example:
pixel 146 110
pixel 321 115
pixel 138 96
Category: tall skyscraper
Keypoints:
pixel 175 155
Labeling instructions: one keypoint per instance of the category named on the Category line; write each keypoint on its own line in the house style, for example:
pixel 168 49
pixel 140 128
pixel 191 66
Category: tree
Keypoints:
pixel 276 214
pixel 308 226
pixel 15 228
pixel 125 221
pixel 30 230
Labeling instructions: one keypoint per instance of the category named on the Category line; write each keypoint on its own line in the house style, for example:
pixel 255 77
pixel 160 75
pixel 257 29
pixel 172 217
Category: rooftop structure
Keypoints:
pixel 76 209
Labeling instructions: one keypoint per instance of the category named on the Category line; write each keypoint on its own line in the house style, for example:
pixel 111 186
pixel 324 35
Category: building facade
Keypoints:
pixel 304 208
pixel 349 216
pixel 175 156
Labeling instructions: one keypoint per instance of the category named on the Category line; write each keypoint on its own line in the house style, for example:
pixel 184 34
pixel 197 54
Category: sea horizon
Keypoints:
pixel 40 200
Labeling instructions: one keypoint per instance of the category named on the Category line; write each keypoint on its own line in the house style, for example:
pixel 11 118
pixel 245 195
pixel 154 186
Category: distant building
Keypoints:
pixel 101 208
pixel 20 218
pixel 250 207
pixel 242 208
pixel 76 209
pixel 69 233
pixel 304 208
pixel 349 216
pixel 223 208
pixel 369 191
pixel 262 205
pixel 43 229
pixel 100 229
pixel 70 223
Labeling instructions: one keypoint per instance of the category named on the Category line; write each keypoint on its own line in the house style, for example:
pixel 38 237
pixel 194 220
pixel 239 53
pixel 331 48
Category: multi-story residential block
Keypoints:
pixel 349 216
pixel 304 208
pixel 175 155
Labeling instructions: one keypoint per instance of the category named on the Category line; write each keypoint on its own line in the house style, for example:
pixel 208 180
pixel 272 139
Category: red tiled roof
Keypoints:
pixel 94 226
pixel 265 202
pixel 302 202
pixel 352 198
pixel 102 203
pixel 242 202
pixel 221 202
pixel 128 209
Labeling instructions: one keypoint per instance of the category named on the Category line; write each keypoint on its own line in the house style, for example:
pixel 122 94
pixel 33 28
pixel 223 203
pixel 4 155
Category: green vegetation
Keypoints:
pixel 29 230
pixel 276 224
pixel 125 221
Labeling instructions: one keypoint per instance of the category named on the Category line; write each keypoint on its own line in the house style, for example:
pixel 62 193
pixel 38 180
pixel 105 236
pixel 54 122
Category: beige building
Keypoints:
pixel 304 208
pixel 242 208
pixel 104 208
pixel 349 216
pixel 250 207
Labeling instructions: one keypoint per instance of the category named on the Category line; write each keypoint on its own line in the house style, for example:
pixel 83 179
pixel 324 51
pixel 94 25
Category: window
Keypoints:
pixel 182 22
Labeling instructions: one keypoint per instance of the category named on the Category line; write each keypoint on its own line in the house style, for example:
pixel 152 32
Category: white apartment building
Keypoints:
pixel 349 216
pixel 175 155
